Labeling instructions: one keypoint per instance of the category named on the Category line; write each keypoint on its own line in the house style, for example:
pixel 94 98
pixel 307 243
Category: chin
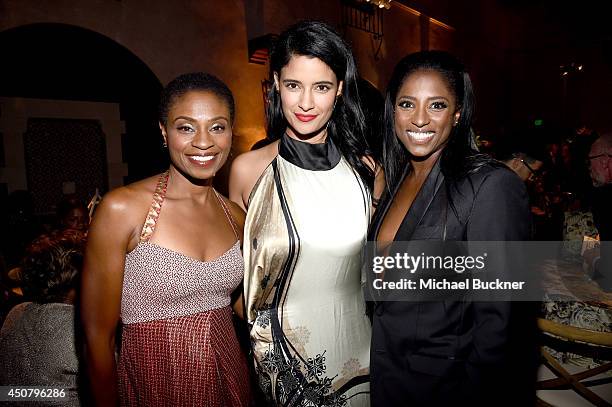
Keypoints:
pixel 421 154
pixel 423 151
pixel 306 131
pixel 198 174
pixel 420 151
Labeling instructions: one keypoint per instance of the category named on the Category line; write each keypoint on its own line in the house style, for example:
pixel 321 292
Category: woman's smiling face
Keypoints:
pixel 425 113
pixel 198 133
pixel 308 89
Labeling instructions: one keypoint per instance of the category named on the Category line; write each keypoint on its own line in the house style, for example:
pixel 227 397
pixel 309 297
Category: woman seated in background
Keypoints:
pixel 163 257
pixel 38 337
pixel 449 352
pixel 308 195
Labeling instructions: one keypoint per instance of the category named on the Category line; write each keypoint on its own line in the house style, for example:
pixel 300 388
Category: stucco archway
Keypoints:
pixel 61 62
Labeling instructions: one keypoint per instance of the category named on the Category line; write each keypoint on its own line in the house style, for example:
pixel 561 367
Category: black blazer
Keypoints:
pixel 443 353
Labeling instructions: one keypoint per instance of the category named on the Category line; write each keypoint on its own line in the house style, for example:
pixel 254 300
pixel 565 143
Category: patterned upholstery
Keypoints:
pixel 577 224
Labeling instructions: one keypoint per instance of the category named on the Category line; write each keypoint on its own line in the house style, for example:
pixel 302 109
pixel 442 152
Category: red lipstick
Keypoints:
pixel 305 117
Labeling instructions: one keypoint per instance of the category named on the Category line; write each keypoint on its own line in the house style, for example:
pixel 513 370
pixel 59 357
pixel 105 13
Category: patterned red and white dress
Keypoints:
pixel 178 346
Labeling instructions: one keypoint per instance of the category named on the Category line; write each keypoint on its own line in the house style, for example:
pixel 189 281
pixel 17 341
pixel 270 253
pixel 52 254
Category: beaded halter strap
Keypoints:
pixel 158 199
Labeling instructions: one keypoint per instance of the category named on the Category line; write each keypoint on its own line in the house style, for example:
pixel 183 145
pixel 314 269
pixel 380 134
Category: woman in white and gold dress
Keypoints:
pixel 308 198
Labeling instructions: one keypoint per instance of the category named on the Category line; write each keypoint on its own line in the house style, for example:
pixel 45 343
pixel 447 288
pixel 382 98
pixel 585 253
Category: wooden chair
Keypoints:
pixel 579 341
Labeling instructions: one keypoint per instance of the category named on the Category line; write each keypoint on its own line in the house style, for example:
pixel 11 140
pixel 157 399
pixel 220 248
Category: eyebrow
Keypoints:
pixel 219 118
pixel 190 119
pixel 316 83
pixel 429 98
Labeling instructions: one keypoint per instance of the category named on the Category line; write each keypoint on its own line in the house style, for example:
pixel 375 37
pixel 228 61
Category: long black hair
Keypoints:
pixel 346 126
pixel 460 156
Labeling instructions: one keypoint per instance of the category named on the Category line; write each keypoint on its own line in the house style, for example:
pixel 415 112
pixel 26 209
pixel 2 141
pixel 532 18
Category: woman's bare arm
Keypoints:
pixel 108 240
pixel 238 181
pixel 239 216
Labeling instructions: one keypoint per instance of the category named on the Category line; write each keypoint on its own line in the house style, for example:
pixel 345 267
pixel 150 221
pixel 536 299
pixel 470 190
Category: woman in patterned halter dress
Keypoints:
pixel 308 198
pixel 163 257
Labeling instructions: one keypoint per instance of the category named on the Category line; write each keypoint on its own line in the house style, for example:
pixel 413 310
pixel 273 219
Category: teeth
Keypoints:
pixel 418 135
pixel 201 158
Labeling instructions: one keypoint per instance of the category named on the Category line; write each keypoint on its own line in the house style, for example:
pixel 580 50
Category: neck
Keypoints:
pixel 181 185
pixel 317 137
pixel 423 165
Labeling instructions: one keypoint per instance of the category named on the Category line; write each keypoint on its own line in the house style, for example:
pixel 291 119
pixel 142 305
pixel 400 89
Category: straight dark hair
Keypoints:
pixel 346 126
pixel 460 156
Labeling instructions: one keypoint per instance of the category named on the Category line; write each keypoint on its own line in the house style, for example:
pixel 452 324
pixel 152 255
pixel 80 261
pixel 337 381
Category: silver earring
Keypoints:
pixel 165 144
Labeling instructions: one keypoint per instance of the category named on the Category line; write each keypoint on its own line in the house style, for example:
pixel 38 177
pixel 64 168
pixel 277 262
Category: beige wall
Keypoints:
pixel 505 49
pixel 172 37
pixel 402 33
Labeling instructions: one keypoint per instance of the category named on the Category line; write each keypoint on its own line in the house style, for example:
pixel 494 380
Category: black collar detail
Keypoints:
pixel 313 157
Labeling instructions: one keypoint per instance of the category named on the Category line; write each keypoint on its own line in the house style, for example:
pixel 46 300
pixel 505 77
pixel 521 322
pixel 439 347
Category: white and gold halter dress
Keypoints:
pixel 305 229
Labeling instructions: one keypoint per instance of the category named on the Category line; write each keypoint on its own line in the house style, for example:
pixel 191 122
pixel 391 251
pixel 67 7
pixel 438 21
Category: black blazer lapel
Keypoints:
pixel 421 204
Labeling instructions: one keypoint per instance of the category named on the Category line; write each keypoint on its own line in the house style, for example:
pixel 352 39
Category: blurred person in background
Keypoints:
pixel 524 165
pixel 528 162
pixel 600 169
pixel 38 337
pixel 72 214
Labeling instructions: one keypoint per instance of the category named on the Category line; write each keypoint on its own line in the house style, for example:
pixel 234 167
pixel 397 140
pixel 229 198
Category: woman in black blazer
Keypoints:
pixel 439 187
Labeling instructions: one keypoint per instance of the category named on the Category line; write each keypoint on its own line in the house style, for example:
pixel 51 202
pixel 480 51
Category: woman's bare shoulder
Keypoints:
pixel 256 159
pixel 247 169
pixel 128 202
pixel 122 212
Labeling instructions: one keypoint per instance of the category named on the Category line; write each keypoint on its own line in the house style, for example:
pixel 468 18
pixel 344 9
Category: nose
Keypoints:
pixel 306 101
pixel 202 140
pixel 420 117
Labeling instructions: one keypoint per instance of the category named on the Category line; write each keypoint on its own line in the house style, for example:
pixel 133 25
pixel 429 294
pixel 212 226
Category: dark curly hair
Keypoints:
pixel 51 266
pixel 196 81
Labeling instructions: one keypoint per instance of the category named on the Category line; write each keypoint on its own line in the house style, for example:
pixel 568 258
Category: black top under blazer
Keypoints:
pixel 446 352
